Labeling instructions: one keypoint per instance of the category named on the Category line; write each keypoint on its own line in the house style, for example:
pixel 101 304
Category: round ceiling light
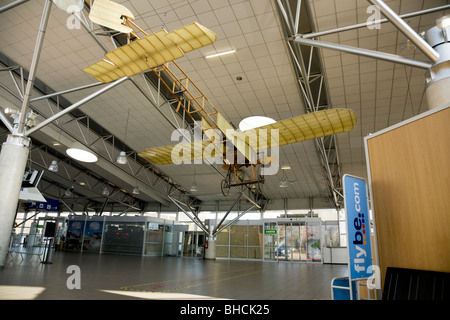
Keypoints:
pixel 79 152
pixel 69 6
pixel 254 122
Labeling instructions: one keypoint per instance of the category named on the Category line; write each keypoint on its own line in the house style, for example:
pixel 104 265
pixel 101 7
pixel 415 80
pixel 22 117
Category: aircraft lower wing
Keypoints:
pixel 305 127
pixel 187 152
pixel 301 128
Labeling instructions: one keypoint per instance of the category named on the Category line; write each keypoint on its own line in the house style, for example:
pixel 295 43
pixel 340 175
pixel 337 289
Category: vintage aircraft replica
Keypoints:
pixel 154 52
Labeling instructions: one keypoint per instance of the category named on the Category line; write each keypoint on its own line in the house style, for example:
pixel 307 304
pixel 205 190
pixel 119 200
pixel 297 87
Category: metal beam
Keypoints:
pixel 406 30
pixel 311 96
pixel 363 52
pixel 226 215
pixel 194 218
pixel 6 121
pixel 364 24
pixel 66 91
pixel 216 232
pixel 34 64
pixel 12 5
pixel 75 105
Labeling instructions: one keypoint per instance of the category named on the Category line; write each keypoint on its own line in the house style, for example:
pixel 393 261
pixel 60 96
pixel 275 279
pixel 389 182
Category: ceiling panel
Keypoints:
pixel 380 93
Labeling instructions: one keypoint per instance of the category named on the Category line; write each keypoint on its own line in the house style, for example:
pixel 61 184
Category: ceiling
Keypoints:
pixel 125 118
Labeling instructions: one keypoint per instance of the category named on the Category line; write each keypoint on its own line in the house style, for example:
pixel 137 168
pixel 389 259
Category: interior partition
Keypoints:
pixel 409 179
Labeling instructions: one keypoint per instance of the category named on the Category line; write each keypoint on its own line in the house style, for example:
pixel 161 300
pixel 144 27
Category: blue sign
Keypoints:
pixel 358 227
pixel 50 205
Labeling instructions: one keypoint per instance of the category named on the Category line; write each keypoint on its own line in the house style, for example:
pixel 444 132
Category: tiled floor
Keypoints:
pixel 109 276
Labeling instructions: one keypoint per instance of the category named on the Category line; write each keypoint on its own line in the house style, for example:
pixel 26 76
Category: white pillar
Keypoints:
pixel 438 76
pixel 210 251
pixel 13 160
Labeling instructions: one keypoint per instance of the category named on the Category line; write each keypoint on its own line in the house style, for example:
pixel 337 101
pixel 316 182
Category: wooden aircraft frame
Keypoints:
pixel 155 51
pixel 235 177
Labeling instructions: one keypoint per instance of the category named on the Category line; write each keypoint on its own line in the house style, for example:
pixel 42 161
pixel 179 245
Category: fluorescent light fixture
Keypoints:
pixel 79 152
pixel 254 122
pixel 122 158
pixel 286 167
pixel 53 166
pixel 220 54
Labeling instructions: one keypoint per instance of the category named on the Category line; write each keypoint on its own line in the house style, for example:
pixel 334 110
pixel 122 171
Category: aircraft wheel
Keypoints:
pixel 225 187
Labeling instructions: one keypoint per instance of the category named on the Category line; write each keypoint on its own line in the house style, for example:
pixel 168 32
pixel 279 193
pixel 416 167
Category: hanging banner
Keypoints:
pixel 358 227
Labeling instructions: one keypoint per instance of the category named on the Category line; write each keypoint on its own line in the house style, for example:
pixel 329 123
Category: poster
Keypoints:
pixel 93 236
pixel 74 235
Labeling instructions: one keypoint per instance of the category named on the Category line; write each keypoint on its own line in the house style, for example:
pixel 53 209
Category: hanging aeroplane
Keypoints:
pixel 154 52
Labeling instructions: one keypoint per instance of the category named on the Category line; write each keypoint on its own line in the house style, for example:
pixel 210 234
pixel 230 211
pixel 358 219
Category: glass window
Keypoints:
pixel 252 215
pixel 183 217
pixel 331 233
pixel 255 252
pixel 123 237
pixel 238 235
pixel 152 214
pixel 168 215
pixel 222 237
pixel 272 214
pixel 222 251
pixel 255 235
pixel 238 252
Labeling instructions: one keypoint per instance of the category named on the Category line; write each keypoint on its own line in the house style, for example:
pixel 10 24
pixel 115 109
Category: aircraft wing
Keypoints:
pixel 110 14
pixel 305 127
pixel 151 51
pixel 183 152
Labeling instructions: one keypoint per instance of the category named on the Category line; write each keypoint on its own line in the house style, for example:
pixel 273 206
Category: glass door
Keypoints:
pixel 270 240
pixel 293 240
pixel 282 250
pixel 313 241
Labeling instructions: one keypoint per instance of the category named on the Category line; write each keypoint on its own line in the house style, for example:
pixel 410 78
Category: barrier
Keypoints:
pixel 340 289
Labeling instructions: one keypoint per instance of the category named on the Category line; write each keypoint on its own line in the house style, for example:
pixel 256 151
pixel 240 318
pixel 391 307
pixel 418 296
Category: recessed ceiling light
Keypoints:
pixel 254 122
pixel 79 152
pixel 220 54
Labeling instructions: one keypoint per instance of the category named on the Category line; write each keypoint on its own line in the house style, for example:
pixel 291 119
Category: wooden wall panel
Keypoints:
pixel 410 178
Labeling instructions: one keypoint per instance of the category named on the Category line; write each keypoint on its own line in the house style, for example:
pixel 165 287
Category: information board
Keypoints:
pixel 358 227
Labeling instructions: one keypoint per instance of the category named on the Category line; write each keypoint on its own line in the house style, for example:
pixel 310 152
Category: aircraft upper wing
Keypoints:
pixel 304 127
pixel 110 14
pixel 151 51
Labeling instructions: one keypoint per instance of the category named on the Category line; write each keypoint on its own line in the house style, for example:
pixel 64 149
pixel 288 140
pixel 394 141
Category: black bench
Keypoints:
pixel 410 284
